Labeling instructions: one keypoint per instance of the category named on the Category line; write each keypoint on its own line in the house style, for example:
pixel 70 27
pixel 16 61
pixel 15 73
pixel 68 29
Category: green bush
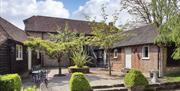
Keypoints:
pixel 80 58
pixel 10 82
pixel 78 67
pixel 135 78
pixel 78 82
pixel 30 89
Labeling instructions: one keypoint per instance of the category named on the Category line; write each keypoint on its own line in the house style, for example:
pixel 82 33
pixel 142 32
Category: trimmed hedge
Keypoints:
pixel 30 89
pixel 10 82
pixel 135 78
pixel 78 82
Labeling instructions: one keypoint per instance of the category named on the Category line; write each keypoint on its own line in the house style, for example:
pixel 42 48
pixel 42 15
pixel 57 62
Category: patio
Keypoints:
pixel 97 77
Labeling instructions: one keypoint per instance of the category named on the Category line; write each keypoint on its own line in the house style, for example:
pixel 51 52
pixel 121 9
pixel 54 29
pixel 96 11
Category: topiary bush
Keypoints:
pixel 10 82
pixel 78 82
pixel 30 89
pixel 135 78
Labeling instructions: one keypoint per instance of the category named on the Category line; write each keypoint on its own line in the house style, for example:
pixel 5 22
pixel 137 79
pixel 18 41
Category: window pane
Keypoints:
pixel 146 51
pixel 16 51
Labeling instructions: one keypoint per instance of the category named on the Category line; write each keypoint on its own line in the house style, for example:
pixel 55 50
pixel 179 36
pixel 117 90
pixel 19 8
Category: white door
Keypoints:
pixel 128 58
pixel 29 58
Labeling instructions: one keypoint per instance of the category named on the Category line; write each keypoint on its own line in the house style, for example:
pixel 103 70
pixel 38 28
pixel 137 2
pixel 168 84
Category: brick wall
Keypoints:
pixel 144 65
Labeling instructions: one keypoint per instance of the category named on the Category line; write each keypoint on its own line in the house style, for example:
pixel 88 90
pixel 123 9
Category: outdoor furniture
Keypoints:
pixel 39 75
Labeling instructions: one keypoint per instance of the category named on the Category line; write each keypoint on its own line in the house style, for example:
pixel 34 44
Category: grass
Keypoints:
pixel 174 77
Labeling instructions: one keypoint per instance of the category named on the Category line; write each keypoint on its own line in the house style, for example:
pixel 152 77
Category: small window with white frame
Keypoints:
pixel 19 52
pixel 115 53
pixel 145 52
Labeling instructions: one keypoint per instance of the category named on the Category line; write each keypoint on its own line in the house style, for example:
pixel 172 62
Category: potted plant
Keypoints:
pixel 134 80
pixel 80 58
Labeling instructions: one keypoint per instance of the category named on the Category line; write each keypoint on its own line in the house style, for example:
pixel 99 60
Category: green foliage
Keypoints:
pixel 30 89
pixel 172 77
pixel 80 58
pixel 135 78
pixel 151 11
pixel 58 44
pixel 10 82
pixel 169 35
pixel 105 35
pixel 78 82
pixel 78 67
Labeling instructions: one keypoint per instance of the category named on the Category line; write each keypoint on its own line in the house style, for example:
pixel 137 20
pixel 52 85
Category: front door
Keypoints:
pixel 128 58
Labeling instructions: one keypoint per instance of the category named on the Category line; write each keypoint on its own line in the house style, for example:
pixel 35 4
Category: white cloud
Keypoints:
pixel 17 10
pixel 92 8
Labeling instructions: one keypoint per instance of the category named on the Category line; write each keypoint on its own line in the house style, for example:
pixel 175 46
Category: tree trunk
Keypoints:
pixel 109 61
pixel 59 65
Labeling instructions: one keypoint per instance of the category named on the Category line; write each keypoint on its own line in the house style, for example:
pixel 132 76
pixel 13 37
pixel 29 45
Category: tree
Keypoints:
pixel 105 35
pixel 152 11
pixel 169 35
pixel 58 44
pixel 164 14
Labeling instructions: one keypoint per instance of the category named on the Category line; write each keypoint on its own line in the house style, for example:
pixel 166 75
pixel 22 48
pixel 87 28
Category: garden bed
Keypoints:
pixel 73 69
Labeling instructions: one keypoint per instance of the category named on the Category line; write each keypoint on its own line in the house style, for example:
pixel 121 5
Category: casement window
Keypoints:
pixel 145 52
pixel 115 53
pixel 19 52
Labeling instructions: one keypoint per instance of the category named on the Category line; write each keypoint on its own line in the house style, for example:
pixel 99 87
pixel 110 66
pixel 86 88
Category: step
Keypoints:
pixel 112 89
pixel 107 86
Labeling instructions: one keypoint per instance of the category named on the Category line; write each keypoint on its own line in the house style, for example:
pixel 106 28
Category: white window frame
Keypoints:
pixel 143 51
pixel 19 52
pixel 115 53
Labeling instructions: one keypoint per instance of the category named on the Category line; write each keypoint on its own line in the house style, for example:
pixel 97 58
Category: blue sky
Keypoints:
pixel 73 5
pixel 16 11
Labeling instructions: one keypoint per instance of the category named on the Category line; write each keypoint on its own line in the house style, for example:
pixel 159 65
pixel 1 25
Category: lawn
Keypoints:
pixel 172 77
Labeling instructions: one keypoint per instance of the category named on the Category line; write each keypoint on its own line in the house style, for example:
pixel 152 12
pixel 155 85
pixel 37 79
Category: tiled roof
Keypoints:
pixel 50 24
pixel 10 31
pixel 142 35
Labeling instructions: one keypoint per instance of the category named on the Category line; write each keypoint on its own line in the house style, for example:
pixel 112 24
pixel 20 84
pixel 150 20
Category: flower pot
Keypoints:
pixel 83 70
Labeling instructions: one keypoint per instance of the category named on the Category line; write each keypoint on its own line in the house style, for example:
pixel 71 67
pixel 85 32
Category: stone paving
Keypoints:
pixel 96 77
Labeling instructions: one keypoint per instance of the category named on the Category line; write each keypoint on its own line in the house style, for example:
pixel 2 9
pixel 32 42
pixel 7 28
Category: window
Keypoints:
pixel 38 54
pixel 115 53
pixel 19 52
pixel 145 52
pixel 100 54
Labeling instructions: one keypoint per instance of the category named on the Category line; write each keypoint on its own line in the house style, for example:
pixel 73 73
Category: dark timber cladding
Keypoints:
pixel 10 36
pixel 4 58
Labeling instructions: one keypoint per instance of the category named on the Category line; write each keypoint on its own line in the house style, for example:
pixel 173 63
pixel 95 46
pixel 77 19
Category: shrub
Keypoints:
pixel 135 78
pixel 10 82
pixel 30 89
pixel 80 58
pixel 77 67
pixel 78 82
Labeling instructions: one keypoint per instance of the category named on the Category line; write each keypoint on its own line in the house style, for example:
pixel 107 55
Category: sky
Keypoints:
pixel 16 11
